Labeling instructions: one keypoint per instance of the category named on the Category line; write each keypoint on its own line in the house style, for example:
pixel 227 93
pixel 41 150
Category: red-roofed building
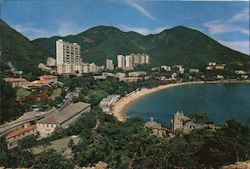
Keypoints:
pixel 14 136
pixel 51 78
pixel 17 82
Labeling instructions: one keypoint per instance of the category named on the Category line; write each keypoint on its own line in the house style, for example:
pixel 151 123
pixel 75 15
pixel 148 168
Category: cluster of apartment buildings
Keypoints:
pixel 128 62
pixel 46 126
pixel 69 61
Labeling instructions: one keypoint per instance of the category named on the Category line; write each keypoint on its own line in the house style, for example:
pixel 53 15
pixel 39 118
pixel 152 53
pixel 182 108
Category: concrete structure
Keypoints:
pixel 100 77
pixel 184 124
pixel 92 68
pixel 220 67
pixel 43 67
pixel 62 118
pixel 180 69
pixel 219 77
pixel 240 72
pixel 68 55
pixel 107 103
pixel 128 61
pixel 51 78
pixel 120 75
pixel 51 61
pixel 157 129
pixel 120 61
pixel 131 79
pixel 108 74
pixel 17 82
pixel 14 136
pixel 211 64
pixel 137 74
pixel 166 68
pixel 109 64
pixel 194 70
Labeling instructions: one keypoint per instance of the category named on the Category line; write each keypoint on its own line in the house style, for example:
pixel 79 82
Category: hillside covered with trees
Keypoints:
pixel 178 45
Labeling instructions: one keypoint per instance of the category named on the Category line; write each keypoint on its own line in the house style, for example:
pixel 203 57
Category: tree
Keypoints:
pixel 50 159
pixel 28 142
pixel 9 109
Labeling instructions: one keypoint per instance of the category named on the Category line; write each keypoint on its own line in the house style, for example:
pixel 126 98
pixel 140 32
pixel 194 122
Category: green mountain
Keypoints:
pixel 19 50
pixel 179 45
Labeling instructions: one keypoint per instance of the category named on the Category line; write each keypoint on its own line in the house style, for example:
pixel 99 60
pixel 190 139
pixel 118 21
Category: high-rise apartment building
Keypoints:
pixel 121 61
pixel 68 56
pixel 109 64
pixel 128 61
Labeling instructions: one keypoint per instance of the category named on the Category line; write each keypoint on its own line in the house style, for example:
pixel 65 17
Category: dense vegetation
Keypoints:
pixel 9 109
pixel 19 50
pixel 130 145
pixel 92 91
pixel 179 45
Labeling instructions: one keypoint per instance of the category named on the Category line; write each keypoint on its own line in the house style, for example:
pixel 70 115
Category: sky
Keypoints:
pixel 225 21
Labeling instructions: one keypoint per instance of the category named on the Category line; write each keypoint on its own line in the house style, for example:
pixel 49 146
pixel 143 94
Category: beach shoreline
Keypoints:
pixel 133 96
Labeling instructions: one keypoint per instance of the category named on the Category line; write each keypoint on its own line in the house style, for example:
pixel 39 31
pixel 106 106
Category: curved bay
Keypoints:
pixel 220 101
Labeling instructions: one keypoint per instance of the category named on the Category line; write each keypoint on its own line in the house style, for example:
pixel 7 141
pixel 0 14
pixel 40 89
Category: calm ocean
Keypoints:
pixel 220 101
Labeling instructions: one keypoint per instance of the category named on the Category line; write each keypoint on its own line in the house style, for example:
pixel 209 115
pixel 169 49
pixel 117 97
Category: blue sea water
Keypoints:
pixel 221 101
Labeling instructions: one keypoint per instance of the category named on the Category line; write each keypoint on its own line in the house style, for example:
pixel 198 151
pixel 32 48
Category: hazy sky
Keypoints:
pixel 225 21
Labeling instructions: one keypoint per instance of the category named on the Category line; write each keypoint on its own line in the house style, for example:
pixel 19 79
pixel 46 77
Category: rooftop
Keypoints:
pixel 20 131
pixel 152 123
pixel 13 79
pixel 48 77
pixel 61 116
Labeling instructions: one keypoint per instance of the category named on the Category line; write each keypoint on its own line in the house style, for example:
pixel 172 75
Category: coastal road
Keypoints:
pixel 34 116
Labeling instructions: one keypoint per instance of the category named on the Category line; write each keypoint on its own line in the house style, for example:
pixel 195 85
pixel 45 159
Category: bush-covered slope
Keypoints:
pixel 18 49
pixel 179 45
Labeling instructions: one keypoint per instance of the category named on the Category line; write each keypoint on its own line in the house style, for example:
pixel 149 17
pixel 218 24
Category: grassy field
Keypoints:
pixel 22 93
pixel 55 93
pixel 57 145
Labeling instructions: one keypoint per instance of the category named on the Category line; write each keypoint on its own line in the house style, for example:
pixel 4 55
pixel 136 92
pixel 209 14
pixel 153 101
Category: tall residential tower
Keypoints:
pixel 68 55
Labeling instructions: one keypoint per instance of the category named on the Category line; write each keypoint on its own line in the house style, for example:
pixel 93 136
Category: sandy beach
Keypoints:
pixel 133 96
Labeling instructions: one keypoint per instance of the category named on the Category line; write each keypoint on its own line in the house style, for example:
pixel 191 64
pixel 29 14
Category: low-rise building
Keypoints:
pixel 240 72
pixel 219 77
pixel 62 118
pixel 184 124
pixel 107 103
pixel 43 67
pixel 166 68
pixel 17 82
pixel 50 78
pixel 220 67
pixel 155 68
pixel 137 74
pixel 131 79
pixel 209 68
pixel 194 70
pixel 51 61
pixel 211 64
pixel 120 75
pixel 100 77
pixel 108 74
pixel 157 129
pixel 14 136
